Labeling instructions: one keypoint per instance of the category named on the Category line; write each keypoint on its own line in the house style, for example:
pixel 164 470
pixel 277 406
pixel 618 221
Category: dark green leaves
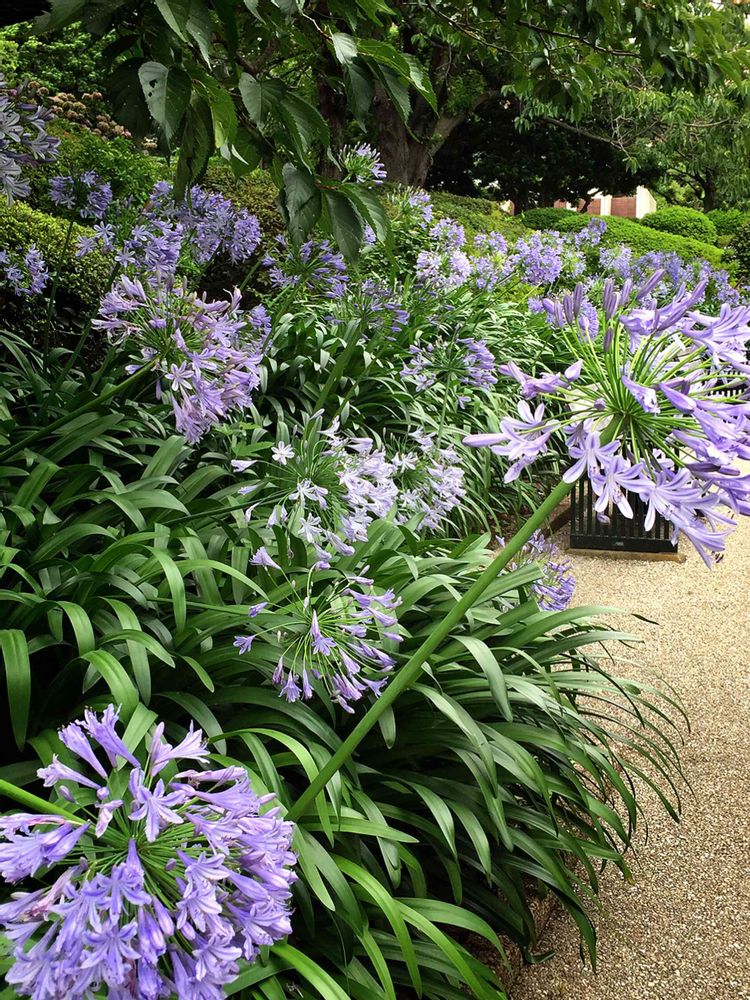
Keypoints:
pixel 301 201
pixel 15 653
pixel 167 92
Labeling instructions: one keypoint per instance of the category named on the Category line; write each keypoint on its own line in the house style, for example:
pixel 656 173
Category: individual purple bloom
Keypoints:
pixel 611 485
pixel 243 643
pixel 320 643
pixel 170 915
pixel 644 394
pixel 261 558
pixel 590 455
pixel 282 452
pixel 24 139
pixel 522 440
pixel 103 730
pixel 191 747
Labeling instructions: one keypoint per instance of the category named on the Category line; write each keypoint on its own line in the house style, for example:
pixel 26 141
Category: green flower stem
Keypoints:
pixel 412 670
pixel 12 450
pixel 34 804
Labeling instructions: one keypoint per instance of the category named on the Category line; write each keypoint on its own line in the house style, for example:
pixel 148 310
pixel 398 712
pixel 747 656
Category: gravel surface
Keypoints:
pixel 681 931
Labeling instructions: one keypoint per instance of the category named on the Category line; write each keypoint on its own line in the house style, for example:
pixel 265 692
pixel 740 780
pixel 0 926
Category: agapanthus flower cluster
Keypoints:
pixel 555 587
pixel 334 643
pixel 464 360
pixel 411 207
pixel 24 139
pixel 207 354
pixel 211 223
pixel 163 235
pixel 677 272
pixel 25 274
pixel 315 266
pixel 86 194
pixel 653 402
pixel 362 163
pixel 377 305
pixel 167 878
pixel 325 487
pixel 431 482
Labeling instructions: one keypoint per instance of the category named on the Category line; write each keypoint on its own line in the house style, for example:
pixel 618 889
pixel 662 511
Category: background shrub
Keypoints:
pixel 130 171
pixel 728 221
pixel 545 218
pixel 643 239
pixel 682 222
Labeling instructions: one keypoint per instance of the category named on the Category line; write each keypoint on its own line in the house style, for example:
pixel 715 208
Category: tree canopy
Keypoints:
pixel 288 83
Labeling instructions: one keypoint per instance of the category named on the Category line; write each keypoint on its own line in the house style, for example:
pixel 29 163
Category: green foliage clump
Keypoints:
pixel 642 239
pixel 476 215
pixel 81 279
pixel 131 172
pixel 682 222
pixel 68 60
pixel 545 218
pixel 728 221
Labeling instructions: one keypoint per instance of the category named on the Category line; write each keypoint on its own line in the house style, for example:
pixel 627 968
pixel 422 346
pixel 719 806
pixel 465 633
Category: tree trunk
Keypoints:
pixel 710 195
pixel 407 157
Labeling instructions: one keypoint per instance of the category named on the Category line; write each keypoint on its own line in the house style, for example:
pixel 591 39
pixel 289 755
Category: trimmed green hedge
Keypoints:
pixel 682 221
pixel 81 278
pixel 545 218
pixel 476 215
pixel 728 221
pixel 643 240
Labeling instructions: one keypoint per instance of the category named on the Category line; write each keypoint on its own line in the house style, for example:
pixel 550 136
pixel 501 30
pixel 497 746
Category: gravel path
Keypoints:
pixel 682 930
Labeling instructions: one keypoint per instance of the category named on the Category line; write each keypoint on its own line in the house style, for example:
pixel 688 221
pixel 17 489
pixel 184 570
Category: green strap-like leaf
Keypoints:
pixel 15 652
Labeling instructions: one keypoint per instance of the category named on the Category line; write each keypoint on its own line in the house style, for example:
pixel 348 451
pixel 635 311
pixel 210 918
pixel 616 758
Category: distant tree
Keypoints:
pixel 533 163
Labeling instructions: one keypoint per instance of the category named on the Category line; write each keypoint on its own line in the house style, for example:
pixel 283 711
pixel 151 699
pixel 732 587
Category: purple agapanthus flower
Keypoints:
pixel 25 274
pixel 362 163
pixel 653 404
pixel 165 887
pixel 207 353
pixel 556 584
pixel 333 644
pixel 87 194
pixel 24 140
pixel 315 266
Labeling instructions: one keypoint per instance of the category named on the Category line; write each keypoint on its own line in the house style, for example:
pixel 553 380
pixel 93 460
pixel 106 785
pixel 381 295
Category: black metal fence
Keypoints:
pixel 618 533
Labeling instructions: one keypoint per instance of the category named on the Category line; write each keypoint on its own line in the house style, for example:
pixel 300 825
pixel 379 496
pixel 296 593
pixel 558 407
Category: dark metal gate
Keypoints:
pixel 619 533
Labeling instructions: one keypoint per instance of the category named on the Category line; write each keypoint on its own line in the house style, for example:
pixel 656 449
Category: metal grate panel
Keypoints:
pixel 619 533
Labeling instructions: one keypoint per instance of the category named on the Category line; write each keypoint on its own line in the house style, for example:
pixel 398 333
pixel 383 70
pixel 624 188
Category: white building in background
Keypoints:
pixel 627 207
